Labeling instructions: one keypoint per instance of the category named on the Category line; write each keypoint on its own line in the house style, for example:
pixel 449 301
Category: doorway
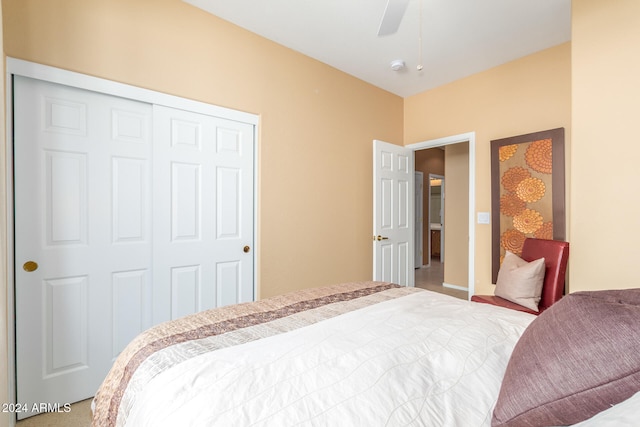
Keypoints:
pixel 462 246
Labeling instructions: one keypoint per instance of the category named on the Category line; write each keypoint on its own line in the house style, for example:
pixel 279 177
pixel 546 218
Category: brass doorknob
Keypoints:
pixel 246 249
pixel 30 266
pixel 379 237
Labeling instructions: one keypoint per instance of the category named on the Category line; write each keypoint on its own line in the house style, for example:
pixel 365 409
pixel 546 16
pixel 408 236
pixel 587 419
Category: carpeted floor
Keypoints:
pixel 79 416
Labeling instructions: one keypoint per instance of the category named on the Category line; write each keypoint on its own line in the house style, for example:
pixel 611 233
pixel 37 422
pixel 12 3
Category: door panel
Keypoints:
pixel 185 282
pixel 128 295
pixel 393 176
pixel 203 172
pixel 129 214
pixel 82 214
pixel 66 205
pixel 186 200
pixel 66 330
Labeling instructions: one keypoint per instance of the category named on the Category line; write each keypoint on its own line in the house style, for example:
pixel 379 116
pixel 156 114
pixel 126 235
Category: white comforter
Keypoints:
pixel 423 359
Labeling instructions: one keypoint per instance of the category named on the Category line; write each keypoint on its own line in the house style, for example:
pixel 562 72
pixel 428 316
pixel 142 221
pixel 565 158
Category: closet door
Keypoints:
pixel 83 235
pixel 203 245
pixel 126 215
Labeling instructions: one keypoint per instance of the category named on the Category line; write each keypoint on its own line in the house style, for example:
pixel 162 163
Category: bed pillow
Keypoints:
pixel 520 281
pixel 576 359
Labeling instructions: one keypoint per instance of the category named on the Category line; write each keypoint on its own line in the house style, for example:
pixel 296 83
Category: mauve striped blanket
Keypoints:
pixel 174 342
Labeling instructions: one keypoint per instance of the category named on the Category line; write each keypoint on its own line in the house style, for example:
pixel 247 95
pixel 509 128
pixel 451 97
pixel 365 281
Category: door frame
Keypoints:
pixel 82 81
pixel 440 177
pixel 419 219
pixel 470 138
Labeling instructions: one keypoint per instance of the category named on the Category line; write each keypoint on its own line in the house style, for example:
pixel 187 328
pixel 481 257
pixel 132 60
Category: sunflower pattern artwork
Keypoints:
pixel 526 208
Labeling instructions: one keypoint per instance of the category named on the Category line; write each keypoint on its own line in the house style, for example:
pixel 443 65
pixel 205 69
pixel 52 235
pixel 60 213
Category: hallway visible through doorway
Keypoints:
pixel 461 235
pixel 432 277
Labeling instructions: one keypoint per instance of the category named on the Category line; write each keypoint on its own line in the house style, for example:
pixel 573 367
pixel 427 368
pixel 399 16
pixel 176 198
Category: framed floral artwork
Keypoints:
pixel 527 191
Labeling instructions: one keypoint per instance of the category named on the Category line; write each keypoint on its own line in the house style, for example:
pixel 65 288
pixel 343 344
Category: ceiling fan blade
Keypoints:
pixel 392 17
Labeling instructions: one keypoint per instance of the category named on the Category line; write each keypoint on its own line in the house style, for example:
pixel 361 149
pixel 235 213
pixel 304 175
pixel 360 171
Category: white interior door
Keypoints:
pixel 83 236
pixel 203 252
pixel 393 214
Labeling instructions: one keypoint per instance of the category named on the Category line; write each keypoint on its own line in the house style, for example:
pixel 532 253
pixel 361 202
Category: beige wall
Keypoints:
pixel 316 123
pixel 523 96
pixel 605 225
pixel 456 215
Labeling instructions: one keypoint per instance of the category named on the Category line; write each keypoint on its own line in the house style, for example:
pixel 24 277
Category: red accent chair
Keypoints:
pixel 556 255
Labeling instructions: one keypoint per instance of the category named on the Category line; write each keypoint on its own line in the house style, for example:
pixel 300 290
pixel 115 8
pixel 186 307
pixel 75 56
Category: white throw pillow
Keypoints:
pixel 520 281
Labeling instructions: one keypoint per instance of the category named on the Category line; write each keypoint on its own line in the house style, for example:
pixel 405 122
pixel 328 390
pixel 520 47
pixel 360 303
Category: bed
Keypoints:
pixel 361 354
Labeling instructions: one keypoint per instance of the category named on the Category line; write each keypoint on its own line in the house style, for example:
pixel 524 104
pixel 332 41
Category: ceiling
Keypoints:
pixel 459 37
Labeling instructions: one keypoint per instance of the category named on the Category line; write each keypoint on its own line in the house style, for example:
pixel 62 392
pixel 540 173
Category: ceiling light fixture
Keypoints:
pixel 397 64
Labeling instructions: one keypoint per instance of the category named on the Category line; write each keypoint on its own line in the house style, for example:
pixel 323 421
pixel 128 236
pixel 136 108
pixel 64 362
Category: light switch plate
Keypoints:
pixel 484 218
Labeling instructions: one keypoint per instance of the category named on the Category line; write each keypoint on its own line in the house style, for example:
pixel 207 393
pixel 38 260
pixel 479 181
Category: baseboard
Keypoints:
pixel 450 286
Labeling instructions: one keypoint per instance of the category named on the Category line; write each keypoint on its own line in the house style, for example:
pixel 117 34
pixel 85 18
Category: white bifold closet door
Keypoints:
pixel 126 214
